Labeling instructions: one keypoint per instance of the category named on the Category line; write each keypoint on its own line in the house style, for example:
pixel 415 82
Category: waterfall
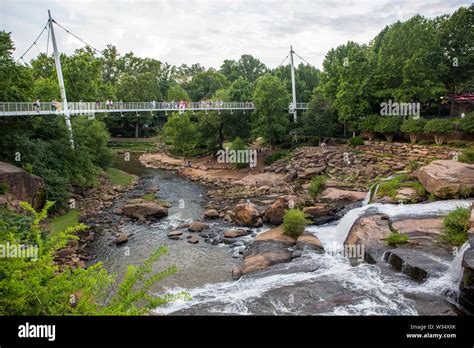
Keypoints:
pixel 335 234
pixel 448 283
pixel 378 293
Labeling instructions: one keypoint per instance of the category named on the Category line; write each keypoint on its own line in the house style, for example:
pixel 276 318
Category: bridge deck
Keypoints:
pixel 87 108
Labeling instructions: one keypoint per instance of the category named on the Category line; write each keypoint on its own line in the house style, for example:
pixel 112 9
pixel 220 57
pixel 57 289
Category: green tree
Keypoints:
pixel 388 126
pixel 368 124
pixel 181 133
pixel 467 123
pixel 413 127
pixel 408 62
pixel 271 102
pixel 240 90
pixel 205 84
pixel 457 38
pixel 15 80
pixel 320 119
pixel 176 93
pixel 345 81
pixel 439 128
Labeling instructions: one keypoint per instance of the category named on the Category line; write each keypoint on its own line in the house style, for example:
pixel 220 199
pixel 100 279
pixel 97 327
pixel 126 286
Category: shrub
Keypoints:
pixel 317 186
pixel 388 126
pixel 456 224
pixel 396 238
pixel 368 125
pixel 38 287
pixel 356 141
pixel 467 123
pixel 467 156
pixel 276 156
pixel 439 128
pixel 413 127
pixel 294 222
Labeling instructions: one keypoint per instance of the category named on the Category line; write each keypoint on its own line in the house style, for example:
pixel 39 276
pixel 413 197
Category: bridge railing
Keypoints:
pixel 75 108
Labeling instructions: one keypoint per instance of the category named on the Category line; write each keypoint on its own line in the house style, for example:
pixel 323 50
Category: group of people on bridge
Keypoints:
pixel 109 104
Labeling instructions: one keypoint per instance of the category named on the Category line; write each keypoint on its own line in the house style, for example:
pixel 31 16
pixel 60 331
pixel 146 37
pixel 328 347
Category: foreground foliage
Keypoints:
pixel 30 286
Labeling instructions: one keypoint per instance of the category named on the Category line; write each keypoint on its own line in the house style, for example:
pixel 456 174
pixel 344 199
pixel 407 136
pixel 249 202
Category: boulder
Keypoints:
pixel 268 248
pixel 198 226
pixel 22 185
pixel 407 194
pixel 236 272
pixel 309 241
pixel 446 178
pixel 466 288
pixel 317 210
pixel 263 254
pixel 143 210
pixel 418 266
pixel 121 239
pixel 211 213
pixel 234 233
pixel 274 213
pixel 174 234
pixel 193 239
pixel 332 194
pixel 369 232
pixel 308 173
pixel 275 234
pixel 246 214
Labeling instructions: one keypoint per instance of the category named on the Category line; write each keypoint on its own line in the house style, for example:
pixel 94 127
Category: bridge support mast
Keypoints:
pixel 293 84
pixel 62 89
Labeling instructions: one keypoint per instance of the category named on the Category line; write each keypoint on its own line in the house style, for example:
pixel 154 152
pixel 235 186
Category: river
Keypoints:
pixel 198 264
pixel 315 284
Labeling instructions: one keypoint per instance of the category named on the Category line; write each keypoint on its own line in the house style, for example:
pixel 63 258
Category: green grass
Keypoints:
pixel 389 188
pixel 149 197
pixel 395 239
pixel 60 223
pixel 118 177
pixel 456 224
pixel 467 156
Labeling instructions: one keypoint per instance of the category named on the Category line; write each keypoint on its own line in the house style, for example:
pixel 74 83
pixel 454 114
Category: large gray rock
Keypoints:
pixel 417 265
pixel 466 288
pixel 446 178
pixel 142 209
pixel 22 185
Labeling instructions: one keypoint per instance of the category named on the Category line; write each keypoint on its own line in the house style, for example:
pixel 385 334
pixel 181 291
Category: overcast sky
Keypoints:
pixel 209 31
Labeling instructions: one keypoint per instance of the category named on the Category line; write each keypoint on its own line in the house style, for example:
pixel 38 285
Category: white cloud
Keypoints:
pixel 208 31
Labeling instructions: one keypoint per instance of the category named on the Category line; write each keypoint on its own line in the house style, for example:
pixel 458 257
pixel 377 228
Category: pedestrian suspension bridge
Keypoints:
pixel 68 109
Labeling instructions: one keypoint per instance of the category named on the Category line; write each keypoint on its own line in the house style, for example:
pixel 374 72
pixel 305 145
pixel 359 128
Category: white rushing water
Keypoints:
pixel 378 293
